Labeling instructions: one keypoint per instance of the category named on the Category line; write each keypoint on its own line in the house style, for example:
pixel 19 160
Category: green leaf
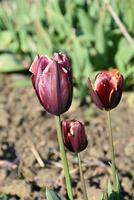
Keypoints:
pixel 94 9
pixel 8 63
pixel 56 20
pixel 3 197
pixel 52 195
pixel 69 7
pixel 100 37
pixel 42 38
pixel 109 190
pixel 104 196
pixel 126 9
pixel 5 39
pixel 38 6
pixel 86 24
pixel 114 195
pixel 118 188
pixel 129 71
pixel 23 83
pixel 123 55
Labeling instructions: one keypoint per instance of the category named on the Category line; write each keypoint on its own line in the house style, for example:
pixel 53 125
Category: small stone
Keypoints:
pixel 129 149
pixel 3 174
pixel 95 193
pixel 127 184
pixel 3 118
pixel 16 187
pixel 46 177
pixel 103 182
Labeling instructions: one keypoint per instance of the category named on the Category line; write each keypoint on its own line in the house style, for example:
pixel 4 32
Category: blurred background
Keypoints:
pixel 96 35
pixel 84 29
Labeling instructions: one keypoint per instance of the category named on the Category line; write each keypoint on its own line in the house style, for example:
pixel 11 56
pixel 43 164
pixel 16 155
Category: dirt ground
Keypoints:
pixel 26 129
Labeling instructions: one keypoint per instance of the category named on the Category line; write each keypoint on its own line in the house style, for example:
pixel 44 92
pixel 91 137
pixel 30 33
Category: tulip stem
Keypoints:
pixel 82 177
pixel 64 158
pixel 112 151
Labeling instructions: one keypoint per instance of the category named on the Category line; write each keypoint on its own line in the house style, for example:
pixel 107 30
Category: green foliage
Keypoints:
pixel 25 82
pixel 3 197
pixel 8 62
pixel 52 195
pixel 83 29
pixel 113 195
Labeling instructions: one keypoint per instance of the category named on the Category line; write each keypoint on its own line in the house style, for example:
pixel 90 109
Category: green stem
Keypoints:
pixel 64 158
pixel 112 151
pixel 82 177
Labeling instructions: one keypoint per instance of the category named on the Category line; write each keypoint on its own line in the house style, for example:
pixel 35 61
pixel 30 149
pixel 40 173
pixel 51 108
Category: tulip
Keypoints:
pixel 108 89
pixel 52 81
pixel 74 135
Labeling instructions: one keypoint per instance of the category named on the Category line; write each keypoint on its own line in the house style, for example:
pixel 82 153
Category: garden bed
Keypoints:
pixel 25 128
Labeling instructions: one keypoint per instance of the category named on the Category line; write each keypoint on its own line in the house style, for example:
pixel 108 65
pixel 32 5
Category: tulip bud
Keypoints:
pixel 108 89
pixel 74 135
pixel 52 81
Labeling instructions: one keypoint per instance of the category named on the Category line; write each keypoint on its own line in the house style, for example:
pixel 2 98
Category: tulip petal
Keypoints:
pixel 104 89
pixel 115 98
pixel 62 59
pixel 115 95
pixel 94 96
pixel 40 62
pixel 33 78
pixel 55 89
pixel 65 128
pixel 108 85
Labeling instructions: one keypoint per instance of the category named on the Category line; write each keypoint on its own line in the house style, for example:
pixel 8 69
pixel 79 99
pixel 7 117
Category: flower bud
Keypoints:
pixel 74 135
pixel 52 81
pixel 108 89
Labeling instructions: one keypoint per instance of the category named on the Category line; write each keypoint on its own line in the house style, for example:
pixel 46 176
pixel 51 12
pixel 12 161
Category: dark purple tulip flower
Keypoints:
pixel 74 135
pixel 108 89
pixel 52 81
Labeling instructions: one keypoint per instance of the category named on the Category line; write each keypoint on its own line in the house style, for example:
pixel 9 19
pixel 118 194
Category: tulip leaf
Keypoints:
pixel 57 20
pixel 23 83
pixel 86 24
pixel 8 63
pixel 124 54
pixel 112 195
pixel 100 37
pixel 109 188
pixel 52 195
pixel 6 38
pixel 43 37
pixel 69 6
pixel 3 197
pixel 128 17
pixel 118 189
pixel 94 9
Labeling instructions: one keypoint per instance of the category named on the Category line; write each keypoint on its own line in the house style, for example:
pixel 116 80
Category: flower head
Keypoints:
pixel 108 89
pixel 52 81
pixel 74 135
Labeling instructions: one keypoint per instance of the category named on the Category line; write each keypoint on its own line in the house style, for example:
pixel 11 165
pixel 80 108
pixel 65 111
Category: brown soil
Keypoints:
pixel 25 128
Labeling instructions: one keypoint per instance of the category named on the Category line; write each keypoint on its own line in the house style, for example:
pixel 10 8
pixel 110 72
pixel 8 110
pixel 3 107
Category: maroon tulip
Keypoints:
pixel 108 89
pixel 52 81
pixel 74 135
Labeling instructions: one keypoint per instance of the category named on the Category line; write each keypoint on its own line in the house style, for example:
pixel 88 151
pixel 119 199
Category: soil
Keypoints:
pixel 26 130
